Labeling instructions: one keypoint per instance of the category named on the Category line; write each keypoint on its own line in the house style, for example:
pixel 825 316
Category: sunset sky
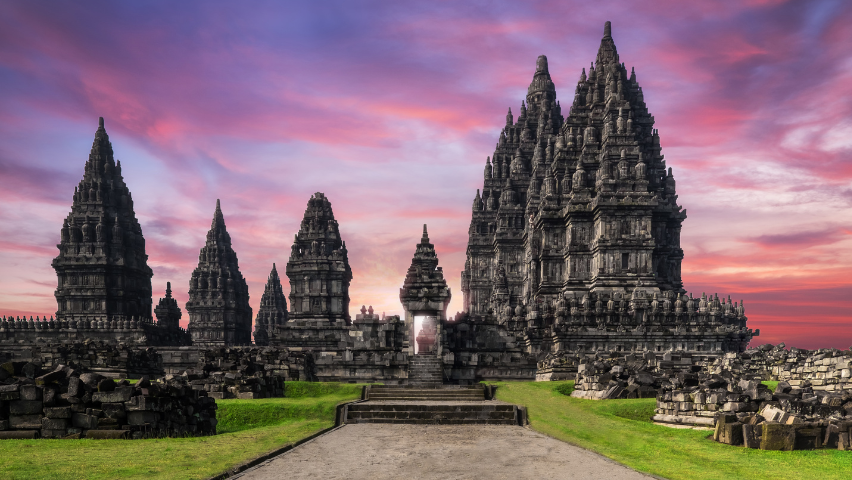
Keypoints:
pixel 390 109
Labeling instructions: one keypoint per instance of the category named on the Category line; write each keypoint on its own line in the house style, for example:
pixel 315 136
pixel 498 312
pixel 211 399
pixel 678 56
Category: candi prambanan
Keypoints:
pixel 573 248
pixel 575 238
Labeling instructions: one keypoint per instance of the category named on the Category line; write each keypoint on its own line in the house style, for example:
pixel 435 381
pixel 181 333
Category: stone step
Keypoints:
pixel 428 399
pixel 494 414
pixel 435 421
pixel 376 408
pixel 427 391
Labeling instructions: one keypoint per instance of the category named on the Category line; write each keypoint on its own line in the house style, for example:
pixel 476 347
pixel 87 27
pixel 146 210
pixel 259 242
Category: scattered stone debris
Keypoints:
pixel 248 372
pixel 93 356
pixel 67 403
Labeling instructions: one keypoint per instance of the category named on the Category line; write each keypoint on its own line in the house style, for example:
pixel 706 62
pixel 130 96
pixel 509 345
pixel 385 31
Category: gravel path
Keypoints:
pixel 459 452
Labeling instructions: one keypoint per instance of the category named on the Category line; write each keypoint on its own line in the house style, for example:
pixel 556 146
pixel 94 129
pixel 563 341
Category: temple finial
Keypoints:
pixel 100 122
pixel 168 289
pixel 608 29
pixel 425 238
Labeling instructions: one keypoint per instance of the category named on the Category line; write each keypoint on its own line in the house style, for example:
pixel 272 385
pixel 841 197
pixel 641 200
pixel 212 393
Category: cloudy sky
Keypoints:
pixel 390 109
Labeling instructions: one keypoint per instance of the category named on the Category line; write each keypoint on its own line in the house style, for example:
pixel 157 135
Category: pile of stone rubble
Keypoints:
pixel 746 412
pixel 64 402
pixel 109 360
pixel 610 375
pixel 247 372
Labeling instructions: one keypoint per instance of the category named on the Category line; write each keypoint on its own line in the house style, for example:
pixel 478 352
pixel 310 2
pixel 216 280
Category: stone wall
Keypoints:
pixel 371 349
pixel 476 348
pixel 41 330
pixel 65 403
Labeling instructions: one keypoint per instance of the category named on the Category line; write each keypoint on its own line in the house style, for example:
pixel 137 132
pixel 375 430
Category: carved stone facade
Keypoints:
pixel 104 282
pixel 424 293
pixel 168 312
pixel 318 269
pixel 273 309
pixel 218 306
pixel 102 267
pixel 575 239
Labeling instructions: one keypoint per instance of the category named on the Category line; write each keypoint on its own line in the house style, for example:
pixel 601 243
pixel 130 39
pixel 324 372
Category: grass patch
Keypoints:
pixel 248 428
pixel 772 384
pixel 622 431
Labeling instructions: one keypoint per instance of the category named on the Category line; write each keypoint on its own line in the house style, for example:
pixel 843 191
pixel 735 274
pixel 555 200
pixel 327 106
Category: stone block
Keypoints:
pixel 142 417
pixel 76 387
pixel 731 434
pixel 114 410
pixel 30 392
pixel 81 420
pixel 25 422
pixel 57 412
pixel 120 394
pixel 19 434
pixel 808 438
pixel 25 407
pixel 51 377
pixel 843 441
pixel 10 392
pixel 54 424
pixel 778 436
pixel 751 439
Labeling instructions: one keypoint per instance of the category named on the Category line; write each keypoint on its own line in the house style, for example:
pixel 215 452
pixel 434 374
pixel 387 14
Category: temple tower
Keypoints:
pixel 102 268
pixel 318 268
pixel 167 311
pixel 424 293
pixel 577 207
pixel 273 309
pixel 576 234
pixel 218 306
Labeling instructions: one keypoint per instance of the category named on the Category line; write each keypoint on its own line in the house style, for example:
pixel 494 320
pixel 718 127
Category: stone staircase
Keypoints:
pixel 455 414
pixel 450 405
pixel 425 371
pixel 445 393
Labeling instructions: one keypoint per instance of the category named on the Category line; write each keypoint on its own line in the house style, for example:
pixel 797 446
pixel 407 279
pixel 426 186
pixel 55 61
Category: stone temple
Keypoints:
pixel 218 306
pixel 573 248
pixel 574 242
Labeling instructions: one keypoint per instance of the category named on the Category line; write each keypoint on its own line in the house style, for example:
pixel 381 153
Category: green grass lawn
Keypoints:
pixel 248 428
pixel 622 431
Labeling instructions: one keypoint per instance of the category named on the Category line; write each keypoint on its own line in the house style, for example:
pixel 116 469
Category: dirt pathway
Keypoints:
pixel 459 452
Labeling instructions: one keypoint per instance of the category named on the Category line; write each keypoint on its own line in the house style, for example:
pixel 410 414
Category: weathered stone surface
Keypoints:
pixel 25 407
pixel 19 434
pixel 776 436
pixel 55 424
pixel 57 412
pixel 22 422
pixel 120 395
pixel 81 420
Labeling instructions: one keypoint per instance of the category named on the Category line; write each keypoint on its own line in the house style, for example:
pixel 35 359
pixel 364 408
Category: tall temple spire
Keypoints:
pixel 218 306
pixel 102 267
pixel 273 309
pixel 318 268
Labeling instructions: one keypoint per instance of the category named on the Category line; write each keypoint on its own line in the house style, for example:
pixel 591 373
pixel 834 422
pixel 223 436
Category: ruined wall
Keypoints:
pixel 476 348
pixel 65 403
